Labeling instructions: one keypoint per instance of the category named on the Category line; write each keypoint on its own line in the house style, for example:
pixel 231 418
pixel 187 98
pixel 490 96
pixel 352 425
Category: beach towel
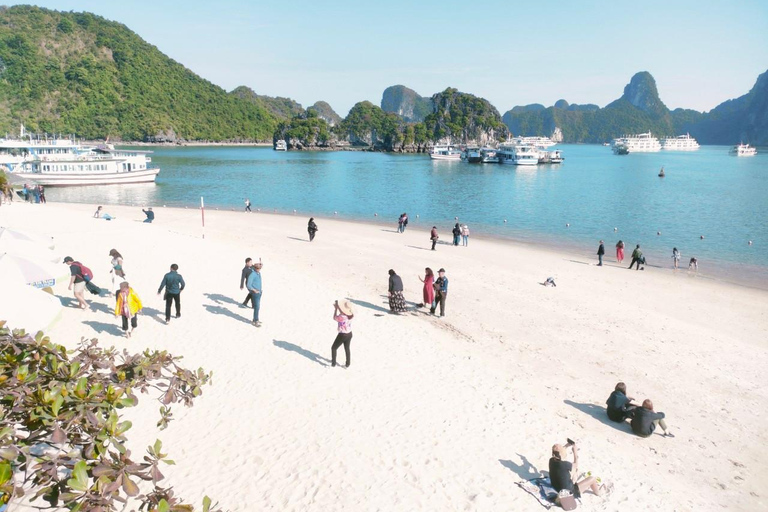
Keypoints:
pixel 541 489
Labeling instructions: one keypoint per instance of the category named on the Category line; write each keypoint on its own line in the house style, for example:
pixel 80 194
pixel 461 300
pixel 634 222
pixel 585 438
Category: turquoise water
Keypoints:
pixel 707 192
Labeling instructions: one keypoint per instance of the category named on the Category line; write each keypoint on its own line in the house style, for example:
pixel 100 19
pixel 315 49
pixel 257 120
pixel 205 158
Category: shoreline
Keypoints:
pixel 728 273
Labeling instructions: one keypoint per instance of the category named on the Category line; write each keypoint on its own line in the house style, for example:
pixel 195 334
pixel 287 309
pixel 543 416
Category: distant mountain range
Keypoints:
pixel 67 72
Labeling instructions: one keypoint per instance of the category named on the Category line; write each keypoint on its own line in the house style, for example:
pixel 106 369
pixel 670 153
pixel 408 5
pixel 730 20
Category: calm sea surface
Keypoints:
pixel 707 192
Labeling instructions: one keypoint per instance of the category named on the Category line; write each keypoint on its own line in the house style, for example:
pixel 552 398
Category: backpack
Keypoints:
pixel 85 272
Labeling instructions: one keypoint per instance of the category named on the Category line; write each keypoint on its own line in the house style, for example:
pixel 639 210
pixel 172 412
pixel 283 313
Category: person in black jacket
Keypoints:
pixel 174 284
pixel 247 269
pixel 311 228
pixel 618 404
pixel 456 234
pixel 645 419
pixel 600 252
pixel 395 293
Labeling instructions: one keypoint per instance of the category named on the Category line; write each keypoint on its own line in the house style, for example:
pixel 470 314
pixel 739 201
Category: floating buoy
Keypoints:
pixel 294 211
pixel 567 225
pixel 375 214
pixel 258 209
pixel 615 229
pixel 335 213
pixel 163 206
pixel 702 237
pixel 658 233
pixel 455 218
pixel 417 215
pixel 750 242
pixel 505 220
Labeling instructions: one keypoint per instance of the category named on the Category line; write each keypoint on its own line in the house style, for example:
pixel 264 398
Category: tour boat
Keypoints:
pixel 445 152
pixel 640 143
pixel 538 142
pixel 488 156
pixel 743 150
pixel 65 161
pixel 551 157
pixel 472 155
pixel 280 145
pixel 680 143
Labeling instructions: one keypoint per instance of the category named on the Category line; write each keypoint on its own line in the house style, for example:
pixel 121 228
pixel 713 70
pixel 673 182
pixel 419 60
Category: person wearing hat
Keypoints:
pixel 253 283
pixel 77 280
pixel 343 314
pixel 465 235
pixel 600 252
pixel 562 473
pixel 441 289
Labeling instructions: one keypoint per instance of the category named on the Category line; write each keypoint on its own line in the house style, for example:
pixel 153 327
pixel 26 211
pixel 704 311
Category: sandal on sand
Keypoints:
pixel 669 434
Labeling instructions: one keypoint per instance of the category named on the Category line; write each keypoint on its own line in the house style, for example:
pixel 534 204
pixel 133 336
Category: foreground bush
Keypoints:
pixel 62 438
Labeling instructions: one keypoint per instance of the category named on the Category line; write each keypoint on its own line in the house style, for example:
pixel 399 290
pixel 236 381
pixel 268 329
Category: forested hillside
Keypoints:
pixel 80 73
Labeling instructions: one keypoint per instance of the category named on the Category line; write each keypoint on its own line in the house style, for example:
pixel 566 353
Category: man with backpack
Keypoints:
pixel 80 277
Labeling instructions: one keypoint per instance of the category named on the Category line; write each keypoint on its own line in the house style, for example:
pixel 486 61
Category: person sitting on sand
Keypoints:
pixel 618 404
pixel 645 419
pixel 97 213
pixel 563 473
pixel 150 215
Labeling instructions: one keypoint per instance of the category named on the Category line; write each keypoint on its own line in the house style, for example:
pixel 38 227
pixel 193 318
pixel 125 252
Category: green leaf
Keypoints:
pixel 80 472
pixel 5 472
pixel 130 488
pixel 123 427
pixel 157 447
pixel 206 504
pixel 57 403
pixel 163 506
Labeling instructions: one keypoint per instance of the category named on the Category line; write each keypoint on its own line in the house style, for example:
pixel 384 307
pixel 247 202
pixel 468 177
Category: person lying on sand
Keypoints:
pixel 563 473
pixel 618 404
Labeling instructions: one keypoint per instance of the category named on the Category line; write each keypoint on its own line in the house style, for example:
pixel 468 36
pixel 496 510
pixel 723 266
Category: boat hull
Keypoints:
pixel 74 178
pixel 445 157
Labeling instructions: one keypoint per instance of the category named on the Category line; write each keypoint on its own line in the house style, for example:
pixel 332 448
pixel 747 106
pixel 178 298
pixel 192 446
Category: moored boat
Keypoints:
pixel 640 143
pixel 743 150
pixel 445 152
pixel 551 157
pixel 472 155
pixel 680 143
pixel 281 145
pixel 488 155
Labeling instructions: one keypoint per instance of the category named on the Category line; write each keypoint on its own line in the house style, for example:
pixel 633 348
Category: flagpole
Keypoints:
pixel 202 212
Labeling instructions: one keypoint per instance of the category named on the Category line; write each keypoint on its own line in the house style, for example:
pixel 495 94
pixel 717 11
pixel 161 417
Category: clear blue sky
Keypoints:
pixel 512 53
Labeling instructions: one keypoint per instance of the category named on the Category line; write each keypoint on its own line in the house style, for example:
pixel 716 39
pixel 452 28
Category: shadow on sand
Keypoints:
pixel 598 412
pixel 223 299
pixel 154 314
pixel 302 352
pixel 101 327
pixel 218 310
pixel 364 304
pixel 297 239
pixel 67 302
pixel 525 470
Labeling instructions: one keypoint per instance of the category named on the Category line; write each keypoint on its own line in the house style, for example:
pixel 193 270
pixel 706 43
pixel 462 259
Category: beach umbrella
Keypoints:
pixel 28 308
pixel 11 236
pixel 30 250
pixel 39 274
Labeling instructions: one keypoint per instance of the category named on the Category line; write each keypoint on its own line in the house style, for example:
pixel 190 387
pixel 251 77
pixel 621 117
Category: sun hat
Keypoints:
pixel 346 308
pixel 68 259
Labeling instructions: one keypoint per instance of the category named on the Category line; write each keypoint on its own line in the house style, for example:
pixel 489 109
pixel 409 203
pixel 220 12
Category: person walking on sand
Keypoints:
pixel 429 288
pixel 247 205
pixel 563 473
pixel 253 283
pixel 76 280
pixel 118 274
pixel 405 222
pixel 400 227
pixel 343 314
pixel 247 269
pixel 465 235
pixel 174 284
pixel 395 293
pixel 41 191
pixel 676 257
pixel 645 420
pixel 433 236
pixel 150 215
pixel 441 288
pixel 600 253
pixel 311 228
pixel 128 306
pixel 637 257
pixel 456 234
pixel 620 251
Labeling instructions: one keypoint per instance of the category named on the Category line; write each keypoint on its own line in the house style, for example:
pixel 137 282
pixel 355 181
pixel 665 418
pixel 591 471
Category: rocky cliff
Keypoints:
pixel 326 113
pixel 280 108
pixel 405 103
pixel 464 118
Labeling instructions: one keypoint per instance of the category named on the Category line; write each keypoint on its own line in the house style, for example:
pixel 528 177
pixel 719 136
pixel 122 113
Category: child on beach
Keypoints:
pixel 128 306
pixel 620 251
pixel 343 315
pixel 693 264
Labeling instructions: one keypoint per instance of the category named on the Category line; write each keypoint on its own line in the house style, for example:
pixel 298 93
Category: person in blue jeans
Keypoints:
pixel 150 215
pixel 253 284
pixel 441 293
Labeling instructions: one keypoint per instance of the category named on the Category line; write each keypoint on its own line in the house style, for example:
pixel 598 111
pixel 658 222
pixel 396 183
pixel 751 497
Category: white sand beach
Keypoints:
pixel 433 414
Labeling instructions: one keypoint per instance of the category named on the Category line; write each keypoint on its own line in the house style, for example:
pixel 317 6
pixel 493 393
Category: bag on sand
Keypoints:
pixel 95 290
pixel 566 501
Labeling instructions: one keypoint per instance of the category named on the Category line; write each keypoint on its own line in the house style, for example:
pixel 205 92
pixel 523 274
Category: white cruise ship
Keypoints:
pixel 445 152
pixel 510 153
pixel 538 142
pixel 58 161
pixel 640 143
pixel 680 143
pixel 743 150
